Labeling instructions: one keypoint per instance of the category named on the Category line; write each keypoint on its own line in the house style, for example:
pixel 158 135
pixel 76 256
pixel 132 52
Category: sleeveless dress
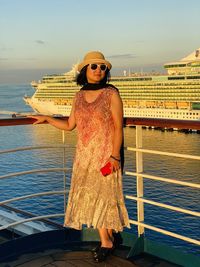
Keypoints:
pixel 95 200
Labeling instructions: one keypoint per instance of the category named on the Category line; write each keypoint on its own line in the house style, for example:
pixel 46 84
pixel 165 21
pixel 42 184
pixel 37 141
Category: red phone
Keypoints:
pixel 106 170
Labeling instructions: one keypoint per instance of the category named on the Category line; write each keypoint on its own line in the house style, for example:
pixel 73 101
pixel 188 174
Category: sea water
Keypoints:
pixel 11 101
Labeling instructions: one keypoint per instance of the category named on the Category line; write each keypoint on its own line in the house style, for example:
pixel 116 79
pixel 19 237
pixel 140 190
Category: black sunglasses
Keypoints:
pixel 94 66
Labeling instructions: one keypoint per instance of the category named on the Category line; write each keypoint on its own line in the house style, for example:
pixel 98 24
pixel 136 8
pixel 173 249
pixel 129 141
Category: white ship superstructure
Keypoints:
pixel 175 95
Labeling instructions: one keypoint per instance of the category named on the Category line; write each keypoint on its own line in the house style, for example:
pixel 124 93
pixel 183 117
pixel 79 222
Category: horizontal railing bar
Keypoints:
pixel 26 213
pixel 194 213
pixel 34 171
pixel 32 148
pixel 163 123
pixel 31 219
pixel 186 156
pixel 32 195
pixel 156 229
pixel 22 121
pixel 157 178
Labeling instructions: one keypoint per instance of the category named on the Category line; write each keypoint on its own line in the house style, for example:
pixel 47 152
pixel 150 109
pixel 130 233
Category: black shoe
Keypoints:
pixel 102 254
pixel 117 240
pixel 96 249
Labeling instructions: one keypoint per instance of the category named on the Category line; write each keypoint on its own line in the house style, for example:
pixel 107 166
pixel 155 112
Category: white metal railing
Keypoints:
pixel 33 171
pixel 168 180
pixel 140 194
pixel 35 218
pixel 32 195
pixel 46 170
pixel 139 198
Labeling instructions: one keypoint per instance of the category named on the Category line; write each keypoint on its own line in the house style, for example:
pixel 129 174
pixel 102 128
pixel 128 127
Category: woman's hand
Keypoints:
pixel 115 164
pixel 38 118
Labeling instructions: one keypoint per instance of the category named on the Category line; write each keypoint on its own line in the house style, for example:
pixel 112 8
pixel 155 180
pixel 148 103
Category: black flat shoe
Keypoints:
pixel 96 249
pixel 102 254
pixel 117 240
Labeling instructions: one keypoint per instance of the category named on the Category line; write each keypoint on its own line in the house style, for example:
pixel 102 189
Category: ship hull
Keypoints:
pixel 48 107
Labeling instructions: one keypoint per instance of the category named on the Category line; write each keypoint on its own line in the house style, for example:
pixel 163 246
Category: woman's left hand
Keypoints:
pixel 115 165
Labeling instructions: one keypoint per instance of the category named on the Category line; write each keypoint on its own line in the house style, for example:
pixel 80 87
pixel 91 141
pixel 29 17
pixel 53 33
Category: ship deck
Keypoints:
pixel 62 258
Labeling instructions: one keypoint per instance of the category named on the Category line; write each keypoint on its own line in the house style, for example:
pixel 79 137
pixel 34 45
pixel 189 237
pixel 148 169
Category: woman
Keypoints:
pixel 95 198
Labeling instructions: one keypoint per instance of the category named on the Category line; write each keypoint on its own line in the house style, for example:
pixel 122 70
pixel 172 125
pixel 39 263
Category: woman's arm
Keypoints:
pixel 66 125
pixel 117 114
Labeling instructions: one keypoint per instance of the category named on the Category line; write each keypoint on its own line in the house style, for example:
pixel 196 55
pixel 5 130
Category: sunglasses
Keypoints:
pixel 103 67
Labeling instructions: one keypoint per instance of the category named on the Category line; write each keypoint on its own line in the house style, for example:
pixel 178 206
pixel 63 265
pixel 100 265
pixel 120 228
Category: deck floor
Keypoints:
pixel 58 258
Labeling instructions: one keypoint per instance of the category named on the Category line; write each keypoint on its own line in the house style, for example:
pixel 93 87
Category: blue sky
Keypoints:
pixel 41 36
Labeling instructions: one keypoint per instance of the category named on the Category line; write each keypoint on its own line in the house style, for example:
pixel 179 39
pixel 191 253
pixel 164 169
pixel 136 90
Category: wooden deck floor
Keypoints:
pixel 61 258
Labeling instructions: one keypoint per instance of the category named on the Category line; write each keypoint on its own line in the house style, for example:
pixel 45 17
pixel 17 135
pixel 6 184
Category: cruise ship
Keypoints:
pixel 175 95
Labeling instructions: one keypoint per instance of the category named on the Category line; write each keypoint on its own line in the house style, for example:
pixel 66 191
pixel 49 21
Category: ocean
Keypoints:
pixel 11 101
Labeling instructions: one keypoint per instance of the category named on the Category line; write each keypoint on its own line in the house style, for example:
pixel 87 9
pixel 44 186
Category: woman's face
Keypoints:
pixel 95 73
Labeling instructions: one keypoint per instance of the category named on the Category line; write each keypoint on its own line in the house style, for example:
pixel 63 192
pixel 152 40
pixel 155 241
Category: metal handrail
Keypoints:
pixel 185 156
pixel 165 232
pixel 167 180
pixel 140 200
pixel 32 195
pixel 158 204
pixel 163 123
pixel 36 218
pixel 33 171
pixel 31 148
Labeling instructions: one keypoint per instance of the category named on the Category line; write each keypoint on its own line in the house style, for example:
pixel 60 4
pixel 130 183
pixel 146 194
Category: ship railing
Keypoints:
pixel 63 192
pixel 139 174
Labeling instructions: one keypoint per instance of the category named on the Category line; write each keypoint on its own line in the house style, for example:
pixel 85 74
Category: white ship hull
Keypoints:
pixel 50 108
pixel 47 107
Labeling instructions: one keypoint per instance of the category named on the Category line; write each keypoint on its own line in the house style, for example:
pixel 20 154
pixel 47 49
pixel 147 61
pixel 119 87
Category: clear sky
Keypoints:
pixel 41 36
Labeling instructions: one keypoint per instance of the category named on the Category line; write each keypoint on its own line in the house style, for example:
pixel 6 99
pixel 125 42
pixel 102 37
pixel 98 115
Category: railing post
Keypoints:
pixel 139 169
pixel 64 173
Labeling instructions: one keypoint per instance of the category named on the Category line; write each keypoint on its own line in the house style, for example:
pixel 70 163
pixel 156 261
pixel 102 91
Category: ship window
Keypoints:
pixel 193 77
pixel 175 65
pixel 176 78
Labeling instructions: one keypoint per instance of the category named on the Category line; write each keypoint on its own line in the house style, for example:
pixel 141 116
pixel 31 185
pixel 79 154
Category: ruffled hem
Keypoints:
pixel 79 226
pixel 96 213
pixel 97 203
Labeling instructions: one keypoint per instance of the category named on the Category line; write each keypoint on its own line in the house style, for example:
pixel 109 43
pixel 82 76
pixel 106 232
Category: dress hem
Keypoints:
pixel 95 227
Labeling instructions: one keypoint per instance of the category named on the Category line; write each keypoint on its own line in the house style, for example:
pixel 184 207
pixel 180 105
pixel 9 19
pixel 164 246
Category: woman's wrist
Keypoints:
pixel 115 158
pixel 49 119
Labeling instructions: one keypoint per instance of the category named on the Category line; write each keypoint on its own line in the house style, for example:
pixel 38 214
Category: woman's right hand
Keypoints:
pixel 39 118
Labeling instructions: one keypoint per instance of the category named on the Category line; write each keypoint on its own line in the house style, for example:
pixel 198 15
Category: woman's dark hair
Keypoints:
pixel 81 78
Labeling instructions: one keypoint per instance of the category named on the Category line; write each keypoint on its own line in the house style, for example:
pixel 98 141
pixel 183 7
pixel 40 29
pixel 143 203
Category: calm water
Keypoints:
pixel 185 170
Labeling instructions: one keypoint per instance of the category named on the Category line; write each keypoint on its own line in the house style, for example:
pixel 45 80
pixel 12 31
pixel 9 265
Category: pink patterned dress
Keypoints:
pixel 95 200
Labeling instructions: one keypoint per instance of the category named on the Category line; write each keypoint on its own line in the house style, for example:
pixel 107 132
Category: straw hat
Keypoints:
pixel 94 57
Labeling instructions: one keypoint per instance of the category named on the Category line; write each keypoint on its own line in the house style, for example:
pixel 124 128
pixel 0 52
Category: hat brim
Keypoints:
pixel 91 61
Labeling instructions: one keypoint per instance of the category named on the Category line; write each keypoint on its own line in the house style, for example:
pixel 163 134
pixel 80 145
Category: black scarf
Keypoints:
pixel 96 86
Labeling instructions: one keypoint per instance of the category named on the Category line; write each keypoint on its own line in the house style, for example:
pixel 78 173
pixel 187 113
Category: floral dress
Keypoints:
pixel 95 200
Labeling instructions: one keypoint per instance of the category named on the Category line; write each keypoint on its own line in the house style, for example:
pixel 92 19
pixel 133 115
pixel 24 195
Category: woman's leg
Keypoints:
pixel 106 245
pixel 110 233
pixel 105 237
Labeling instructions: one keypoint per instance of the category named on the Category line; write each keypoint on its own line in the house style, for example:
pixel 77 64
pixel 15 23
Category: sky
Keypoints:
pixel 49 36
